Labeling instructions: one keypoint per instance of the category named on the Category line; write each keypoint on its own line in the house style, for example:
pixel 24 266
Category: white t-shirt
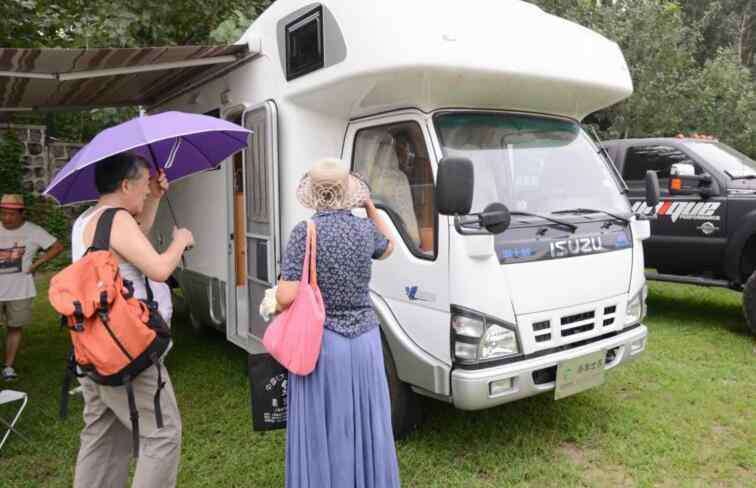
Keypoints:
pixel 17 250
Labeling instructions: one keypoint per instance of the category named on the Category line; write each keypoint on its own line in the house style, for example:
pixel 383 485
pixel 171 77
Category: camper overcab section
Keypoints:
pixel 433 106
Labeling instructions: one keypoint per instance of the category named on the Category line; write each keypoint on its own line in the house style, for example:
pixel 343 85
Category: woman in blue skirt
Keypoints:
pixel 339 416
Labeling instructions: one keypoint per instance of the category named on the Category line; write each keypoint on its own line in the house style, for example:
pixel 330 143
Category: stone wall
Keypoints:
pixel 42 158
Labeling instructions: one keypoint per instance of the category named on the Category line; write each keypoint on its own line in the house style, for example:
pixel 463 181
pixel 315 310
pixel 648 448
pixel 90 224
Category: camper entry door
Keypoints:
pixel 256 232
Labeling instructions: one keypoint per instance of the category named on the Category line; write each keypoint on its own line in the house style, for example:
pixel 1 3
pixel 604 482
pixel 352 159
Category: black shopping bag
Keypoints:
pixel 268 381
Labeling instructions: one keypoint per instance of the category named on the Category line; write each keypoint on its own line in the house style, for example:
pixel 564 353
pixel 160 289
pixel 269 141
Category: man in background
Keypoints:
pixel 19 243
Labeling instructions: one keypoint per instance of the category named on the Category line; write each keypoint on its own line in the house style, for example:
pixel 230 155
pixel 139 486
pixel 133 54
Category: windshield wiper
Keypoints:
pixel 592 210
pixel 750 176
pixel 570 226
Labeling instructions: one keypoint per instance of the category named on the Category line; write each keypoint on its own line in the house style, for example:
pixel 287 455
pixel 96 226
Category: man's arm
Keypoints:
pixel 51 253
pixel 135 248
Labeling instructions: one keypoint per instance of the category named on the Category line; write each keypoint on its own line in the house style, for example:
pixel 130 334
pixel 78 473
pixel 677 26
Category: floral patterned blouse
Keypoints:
pixel 346 244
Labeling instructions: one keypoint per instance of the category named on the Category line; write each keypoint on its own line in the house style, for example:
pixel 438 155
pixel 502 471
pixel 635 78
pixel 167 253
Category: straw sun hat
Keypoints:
pixel 12 201
pixel 330 186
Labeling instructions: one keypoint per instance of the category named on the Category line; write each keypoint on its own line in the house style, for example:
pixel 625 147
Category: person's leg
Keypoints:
pixel 12 343
pixel 105 449
pixel 159 449
pixel 18 314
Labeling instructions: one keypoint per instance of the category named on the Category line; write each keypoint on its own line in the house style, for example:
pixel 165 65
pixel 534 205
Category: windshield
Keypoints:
pixel 723 157
pixel 530 164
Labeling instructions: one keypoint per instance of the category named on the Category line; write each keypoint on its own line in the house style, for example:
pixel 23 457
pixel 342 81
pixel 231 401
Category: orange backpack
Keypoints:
pixel 115 336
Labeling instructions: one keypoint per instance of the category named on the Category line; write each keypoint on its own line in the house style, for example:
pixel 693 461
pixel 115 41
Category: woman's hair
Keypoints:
pixel 110 172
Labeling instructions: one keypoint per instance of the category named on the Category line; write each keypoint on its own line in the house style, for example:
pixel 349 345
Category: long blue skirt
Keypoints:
pixel 339 418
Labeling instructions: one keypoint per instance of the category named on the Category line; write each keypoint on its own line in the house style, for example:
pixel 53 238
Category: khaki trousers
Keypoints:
pixel 106 443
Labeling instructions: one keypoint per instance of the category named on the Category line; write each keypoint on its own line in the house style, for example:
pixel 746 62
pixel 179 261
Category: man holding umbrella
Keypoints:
pixel 123 181
pixel 114 168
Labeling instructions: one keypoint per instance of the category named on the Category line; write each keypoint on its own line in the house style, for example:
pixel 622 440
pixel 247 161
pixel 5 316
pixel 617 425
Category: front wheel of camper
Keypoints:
pixel 405 404
pixel 749 302
pixel 198 327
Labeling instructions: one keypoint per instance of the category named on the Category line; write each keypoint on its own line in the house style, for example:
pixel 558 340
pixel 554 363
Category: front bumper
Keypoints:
pixel 471 389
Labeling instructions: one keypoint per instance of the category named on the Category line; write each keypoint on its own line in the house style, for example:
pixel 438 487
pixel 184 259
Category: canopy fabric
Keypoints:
pixel 104 77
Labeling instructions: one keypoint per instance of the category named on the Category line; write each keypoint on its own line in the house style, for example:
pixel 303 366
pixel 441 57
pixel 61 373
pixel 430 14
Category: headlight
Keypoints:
pixel 479 338
pixel 497 342
pixel 636 307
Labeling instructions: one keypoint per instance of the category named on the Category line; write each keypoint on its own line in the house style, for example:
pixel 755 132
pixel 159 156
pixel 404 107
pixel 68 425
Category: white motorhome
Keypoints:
pixel 439 105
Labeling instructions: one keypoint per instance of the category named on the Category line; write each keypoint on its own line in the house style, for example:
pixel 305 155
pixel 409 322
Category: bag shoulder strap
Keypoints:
pixel 101 241
pixel 148 289
pixel 311 255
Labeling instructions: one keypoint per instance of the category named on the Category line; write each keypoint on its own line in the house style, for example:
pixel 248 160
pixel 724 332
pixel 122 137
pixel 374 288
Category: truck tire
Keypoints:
pixel 199 329
pixel 749 302
pixel 405 404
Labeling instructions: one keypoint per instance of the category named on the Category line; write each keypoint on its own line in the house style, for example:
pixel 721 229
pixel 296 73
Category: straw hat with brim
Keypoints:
pixel 12 202
pixel 330 186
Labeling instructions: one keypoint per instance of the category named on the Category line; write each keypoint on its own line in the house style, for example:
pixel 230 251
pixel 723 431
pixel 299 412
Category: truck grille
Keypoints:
pixel 549 330
pixel 577 323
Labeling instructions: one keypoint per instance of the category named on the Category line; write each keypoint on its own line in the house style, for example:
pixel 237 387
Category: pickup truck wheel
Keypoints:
pixel 749 302
pixel 405 405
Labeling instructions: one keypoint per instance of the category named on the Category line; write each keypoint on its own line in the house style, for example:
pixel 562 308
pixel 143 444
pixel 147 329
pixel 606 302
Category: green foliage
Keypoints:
pixel 682 81
pixel 721 102
pixel 11 163
pixel 236 23
pixel 102 23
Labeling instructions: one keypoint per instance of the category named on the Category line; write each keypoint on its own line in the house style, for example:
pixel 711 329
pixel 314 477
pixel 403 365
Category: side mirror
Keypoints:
pixel 495 218
pixel 684 181
pixel 652 189
pixel 454 186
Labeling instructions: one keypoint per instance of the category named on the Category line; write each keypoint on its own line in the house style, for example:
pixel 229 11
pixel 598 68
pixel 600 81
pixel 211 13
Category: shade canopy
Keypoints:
pixel 32 79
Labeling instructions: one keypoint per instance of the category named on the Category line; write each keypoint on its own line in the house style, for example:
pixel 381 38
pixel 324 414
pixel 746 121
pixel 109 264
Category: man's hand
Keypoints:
pixel 158 185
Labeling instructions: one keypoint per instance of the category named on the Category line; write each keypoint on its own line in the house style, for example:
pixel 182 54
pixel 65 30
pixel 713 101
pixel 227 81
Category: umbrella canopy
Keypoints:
pixel 179 143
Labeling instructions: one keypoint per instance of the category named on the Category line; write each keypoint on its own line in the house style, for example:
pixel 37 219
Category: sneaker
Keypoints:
pixel 9 374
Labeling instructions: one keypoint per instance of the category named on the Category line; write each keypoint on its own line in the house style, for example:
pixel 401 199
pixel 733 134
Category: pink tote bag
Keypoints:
pixel 295 335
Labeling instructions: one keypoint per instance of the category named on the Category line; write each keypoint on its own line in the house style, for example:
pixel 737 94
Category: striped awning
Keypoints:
pixel 106 77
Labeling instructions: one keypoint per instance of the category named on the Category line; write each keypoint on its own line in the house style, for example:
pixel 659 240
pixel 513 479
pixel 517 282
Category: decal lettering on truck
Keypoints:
pixel 574 247
pixel 683 210
pixel 509 251
pixel 416 295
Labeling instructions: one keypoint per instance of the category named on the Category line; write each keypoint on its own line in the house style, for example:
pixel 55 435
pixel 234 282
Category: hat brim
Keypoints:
pixel 329 196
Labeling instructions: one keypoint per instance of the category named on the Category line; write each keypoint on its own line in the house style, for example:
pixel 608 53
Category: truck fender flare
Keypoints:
pixel 413 364
pixel 736 244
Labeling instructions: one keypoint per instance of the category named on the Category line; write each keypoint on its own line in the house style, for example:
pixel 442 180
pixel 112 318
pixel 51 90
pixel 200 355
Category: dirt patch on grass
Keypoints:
pixel 594 471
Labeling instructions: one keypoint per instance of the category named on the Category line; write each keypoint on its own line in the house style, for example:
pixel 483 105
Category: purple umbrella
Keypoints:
pixel 179 143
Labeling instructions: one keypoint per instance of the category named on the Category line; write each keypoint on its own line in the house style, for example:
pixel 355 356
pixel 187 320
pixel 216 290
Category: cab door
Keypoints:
pixel 395 156
pixel 255 243
pixel 689 233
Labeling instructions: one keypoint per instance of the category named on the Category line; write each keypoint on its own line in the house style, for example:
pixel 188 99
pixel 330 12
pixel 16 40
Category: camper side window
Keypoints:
pixel 394 161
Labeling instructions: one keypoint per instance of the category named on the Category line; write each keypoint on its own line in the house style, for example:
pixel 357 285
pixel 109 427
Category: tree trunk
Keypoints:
pixel 745 34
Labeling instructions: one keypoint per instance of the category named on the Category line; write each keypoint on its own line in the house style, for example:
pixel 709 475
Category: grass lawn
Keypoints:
pixel 682 415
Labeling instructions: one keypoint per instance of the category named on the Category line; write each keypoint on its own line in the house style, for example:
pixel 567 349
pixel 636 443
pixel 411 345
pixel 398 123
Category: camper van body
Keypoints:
pixel 430 68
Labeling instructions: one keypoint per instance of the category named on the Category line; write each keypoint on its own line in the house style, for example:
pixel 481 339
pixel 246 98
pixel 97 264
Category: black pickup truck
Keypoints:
pixel 705 230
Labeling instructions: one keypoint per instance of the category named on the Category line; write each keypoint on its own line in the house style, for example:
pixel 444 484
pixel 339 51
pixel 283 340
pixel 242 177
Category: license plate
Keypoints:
pixel 579 374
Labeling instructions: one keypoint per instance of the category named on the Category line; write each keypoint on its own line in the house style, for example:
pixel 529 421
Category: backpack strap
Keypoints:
pixel 148 288
pixel 67 379
pixel 133 415
pixel 101 241
pixel 160 385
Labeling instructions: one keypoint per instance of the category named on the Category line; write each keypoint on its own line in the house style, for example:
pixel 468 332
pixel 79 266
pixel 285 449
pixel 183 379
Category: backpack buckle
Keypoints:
pixel 78 317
